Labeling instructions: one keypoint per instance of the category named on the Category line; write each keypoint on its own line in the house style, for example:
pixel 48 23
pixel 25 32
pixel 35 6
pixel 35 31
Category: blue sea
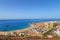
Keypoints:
pixel 18 24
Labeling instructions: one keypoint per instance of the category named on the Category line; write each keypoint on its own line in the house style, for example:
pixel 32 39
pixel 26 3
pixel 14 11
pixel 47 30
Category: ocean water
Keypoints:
pixel 18 24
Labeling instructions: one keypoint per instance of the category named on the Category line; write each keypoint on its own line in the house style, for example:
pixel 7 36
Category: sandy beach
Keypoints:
pixel 17 31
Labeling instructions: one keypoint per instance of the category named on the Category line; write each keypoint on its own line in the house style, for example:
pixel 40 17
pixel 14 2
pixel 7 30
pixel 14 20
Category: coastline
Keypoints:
pixel 17 31
pixel 22 30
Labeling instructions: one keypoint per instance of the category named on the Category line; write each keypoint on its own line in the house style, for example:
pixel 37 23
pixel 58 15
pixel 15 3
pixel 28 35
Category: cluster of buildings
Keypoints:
pixel 40 28
pixel 44 27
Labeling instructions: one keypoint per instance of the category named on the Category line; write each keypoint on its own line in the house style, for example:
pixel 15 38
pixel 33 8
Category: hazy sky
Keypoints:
pixel 29 9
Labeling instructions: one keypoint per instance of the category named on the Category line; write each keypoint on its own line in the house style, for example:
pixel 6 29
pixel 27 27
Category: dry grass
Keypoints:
pixel 21 38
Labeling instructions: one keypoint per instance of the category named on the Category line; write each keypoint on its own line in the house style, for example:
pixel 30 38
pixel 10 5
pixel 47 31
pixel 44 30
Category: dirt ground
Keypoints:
pixel 20 38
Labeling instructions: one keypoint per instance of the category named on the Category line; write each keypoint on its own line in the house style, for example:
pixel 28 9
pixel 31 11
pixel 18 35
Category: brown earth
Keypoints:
pixel 21 38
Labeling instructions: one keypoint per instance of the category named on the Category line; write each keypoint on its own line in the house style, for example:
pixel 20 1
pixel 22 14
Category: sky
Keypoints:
pixel 29 9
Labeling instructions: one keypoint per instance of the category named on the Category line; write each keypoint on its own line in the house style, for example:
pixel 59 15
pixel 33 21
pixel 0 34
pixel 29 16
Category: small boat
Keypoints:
pixel 7 25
